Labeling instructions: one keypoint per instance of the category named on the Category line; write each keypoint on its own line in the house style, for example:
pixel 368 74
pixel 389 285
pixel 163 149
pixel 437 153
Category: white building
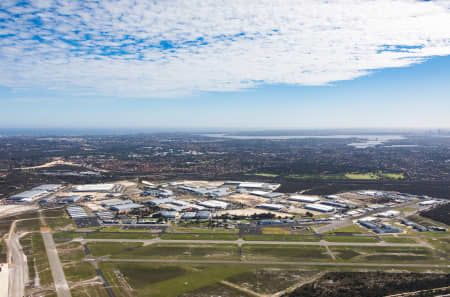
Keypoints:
pixel 35 193
pixel 214 204
pixel 319 207
pixel 304 198
pixel 388 214
pixel 94 188
pixel 428 202
pixel 29 196
pixel 333 197
pixel 270 206
pixel 259 193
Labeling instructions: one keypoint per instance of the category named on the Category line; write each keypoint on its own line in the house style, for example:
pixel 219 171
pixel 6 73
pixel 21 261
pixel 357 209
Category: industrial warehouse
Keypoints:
pixel 190 201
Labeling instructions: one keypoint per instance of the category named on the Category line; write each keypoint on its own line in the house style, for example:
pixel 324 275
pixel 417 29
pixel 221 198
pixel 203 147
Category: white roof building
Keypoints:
pixel 304 198
pixel 319 207
pixel 48 187
pixel 94 188
pixel 125 207
pixel 270 206
pixel 214 204
pixel 389 213
pixel 428 202
pixel 259 193
pixel 28 196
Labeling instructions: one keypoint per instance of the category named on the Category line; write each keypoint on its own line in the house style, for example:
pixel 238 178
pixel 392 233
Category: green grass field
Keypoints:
pixel 57 219
pixel 380 254
pixel 439 242
pixel 284 253
pixel 199 280
pixel 70 252
pixel 316 176
pixel 3 251
pixel 199 236
pixel 182 251
pixel 65 236
pixel 89 291
pixel 392 239
pixel 278 237
pixel 266 174
pixel 362 176
pixel 270 280
pixel 34 249
pixel 275 230
pixel 100 249
pixel 165 280
pixel 334 238
pixel 406 208
pixel 79 271
pixel 393 175
pixel 190 229
pixel 118 235
pixel 30 225
pixel 350 229
pixel 122 229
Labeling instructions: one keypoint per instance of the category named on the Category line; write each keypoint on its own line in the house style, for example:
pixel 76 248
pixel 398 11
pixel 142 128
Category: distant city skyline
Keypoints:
pixel 224 65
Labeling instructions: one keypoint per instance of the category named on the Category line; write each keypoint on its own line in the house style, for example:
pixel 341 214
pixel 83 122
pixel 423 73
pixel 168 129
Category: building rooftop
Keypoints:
pixel 214 204
pixel 125 207
pixel 94 188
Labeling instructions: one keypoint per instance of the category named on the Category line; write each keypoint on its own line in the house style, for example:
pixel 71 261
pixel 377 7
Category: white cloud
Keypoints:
pixel 114 48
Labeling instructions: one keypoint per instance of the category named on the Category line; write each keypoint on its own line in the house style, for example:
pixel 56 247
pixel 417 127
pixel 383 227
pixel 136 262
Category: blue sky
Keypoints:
pixel 238 64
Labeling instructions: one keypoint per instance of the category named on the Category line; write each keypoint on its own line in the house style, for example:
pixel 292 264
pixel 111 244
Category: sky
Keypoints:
pixel 233 64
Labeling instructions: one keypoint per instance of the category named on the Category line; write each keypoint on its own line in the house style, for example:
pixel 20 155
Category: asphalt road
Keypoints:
pixel 271 263
pixel 241 241
pixel 18 273
pixel 61 286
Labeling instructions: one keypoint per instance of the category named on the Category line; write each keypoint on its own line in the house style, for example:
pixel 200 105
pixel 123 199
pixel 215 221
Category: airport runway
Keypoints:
pixel 241 242
pixel 270 263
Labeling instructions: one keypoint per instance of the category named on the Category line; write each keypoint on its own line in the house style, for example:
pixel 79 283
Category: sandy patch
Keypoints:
pixel 12 209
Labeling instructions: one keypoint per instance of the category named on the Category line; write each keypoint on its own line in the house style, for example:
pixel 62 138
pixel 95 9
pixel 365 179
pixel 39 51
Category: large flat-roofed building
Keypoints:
pixel 428 202
pixel 48 187
pixel 270 206
pixel 169 214
pixel 214 204
pixel 35 193
pixel 28 196
pixel 273 195
pixel 389 213
pixel 125 207
pixel 259 193
pixel 252 185
pixel 304 198
pixel 203 215
pixel 335 204
pixel 94 188
pixel 110 203
pixel 319 207
pixel 332 197
pixel 189 215
pixel 72 198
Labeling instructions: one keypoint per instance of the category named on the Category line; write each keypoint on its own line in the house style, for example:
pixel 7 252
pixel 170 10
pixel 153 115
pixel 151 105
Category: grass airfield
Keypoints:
pixel 202 262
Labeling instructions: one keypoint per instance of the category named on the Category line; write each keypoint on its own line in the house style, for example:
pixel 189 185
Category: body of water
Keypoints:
pixel 366 140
